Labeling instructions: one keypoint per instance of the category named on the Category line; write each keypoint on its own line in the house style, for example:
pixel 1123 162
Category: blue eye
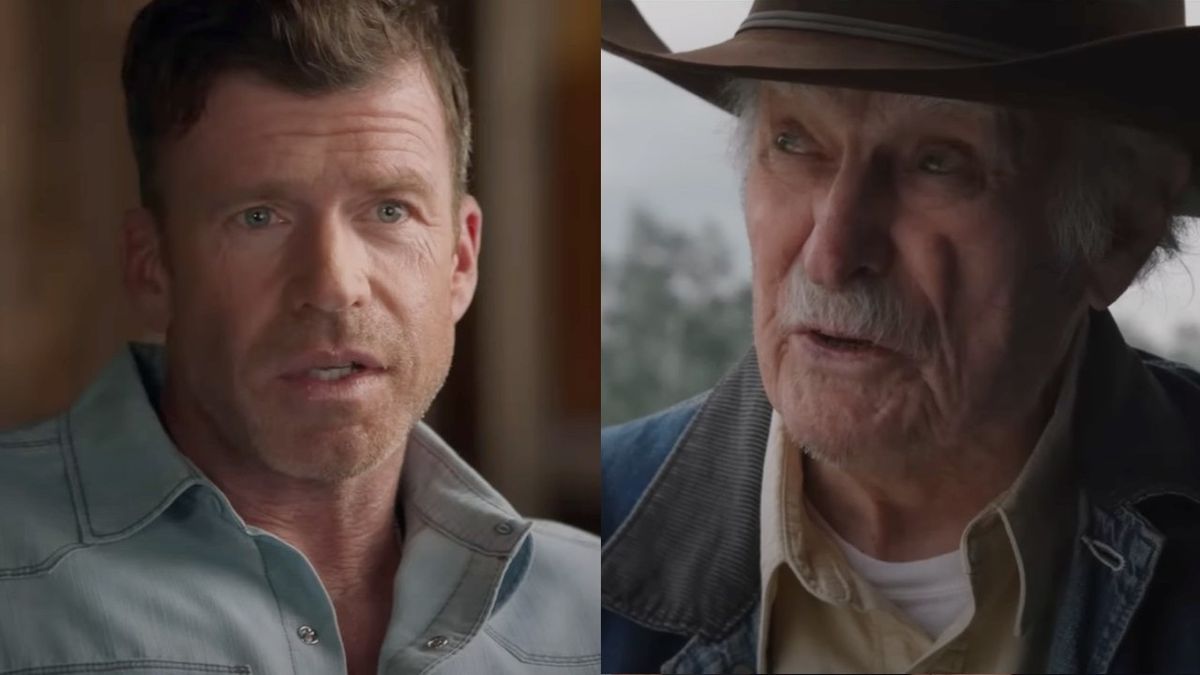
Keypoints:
pixel 391 212
pixel 256 217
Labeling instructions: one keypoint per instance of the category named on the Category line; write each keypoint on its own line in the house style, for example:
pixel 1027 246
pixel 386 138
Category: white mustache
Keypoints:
pixel 865 310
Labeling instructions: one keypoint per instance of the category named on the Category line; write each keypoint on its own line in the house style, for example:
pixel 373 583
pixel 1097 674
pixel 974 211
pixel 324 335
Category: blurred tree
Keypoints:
pixel 675 318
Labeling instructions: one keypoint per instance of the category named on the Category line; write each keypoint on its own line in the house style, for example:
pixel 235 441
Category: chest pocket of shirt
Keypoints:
pixel 140 666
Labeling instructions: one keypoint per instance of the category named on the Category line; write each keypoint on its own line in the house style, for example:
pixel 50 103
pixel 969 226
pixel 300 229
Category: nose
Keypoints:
pixel 850 236
pixel 329 267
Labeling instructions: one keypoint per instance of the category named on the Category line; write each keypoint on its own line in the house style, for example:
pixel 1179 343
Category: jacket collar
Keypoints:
pixel 1131 436
pixel 125 470
pixel 686 559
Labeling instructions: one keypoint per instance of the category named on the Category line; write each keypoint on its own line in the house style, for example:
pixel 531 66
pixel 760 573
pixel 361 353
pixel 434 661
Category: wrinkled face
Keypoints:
pixel 908 298
pixel 317 263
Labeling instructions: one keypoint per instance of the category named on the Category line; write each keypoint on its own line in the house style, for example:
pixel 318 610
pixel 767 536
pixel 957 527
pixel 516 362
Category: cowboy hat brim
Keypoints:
pixel 1132 79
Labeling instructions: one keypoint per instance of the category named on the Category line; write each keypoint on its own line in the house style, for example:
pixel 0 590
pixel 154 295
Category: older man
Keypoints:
pixel 940 455
pixel 260 495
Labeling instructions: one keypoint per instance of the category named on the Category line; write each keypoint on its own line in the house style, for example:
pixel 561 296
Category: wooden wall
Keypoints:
pixel 66 174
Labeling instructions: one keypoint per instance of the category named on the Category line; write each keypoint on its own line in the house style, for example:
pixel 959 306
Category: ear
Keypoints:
pixel 1138 228
pixel 144 269
pixel 1109 277
pixel 465 262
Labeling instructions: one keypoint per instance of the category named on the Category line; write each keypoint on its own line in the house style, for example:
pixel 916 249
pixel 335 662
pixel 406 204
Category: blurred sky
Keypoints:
pixel 664 150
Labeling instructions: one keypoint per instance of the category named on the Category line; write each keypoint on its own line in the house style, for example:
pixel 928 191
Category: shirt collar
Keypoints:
pixel 438 489
pixel 126 471
pixel 791 541
pixel 772 523
pixel 1039 509
pixel 124 468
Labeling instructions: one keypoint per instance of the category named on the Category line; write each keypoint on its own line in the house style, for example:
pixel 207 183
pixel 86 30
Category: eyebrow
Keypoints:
pixel 984 127
pixel 391 178
pixel 372 179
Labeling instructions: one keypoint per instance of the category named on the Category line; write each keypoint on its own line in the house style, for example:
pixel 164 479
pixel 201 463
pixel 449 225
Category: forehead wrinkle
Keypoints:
pixel 885 105
pixel 253 133
pixel 381 175
pixel 803 94
pixel 369 122
pixel 371 147
pixel 346 151
pixel 365 134
pixel 288 177
pixel 902 106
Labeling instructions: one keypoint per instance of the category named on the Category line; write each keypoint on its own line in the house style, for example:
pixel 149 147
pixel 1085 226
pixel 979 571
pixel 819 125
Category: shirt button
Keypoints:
pixel 503 528
pixel 307 635
pixel 436 642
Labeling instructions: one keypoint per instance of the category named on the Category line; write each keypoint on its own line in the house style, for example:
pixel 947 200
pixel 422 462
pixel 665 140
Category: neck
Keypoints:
pixel 345 528
pixel 906 516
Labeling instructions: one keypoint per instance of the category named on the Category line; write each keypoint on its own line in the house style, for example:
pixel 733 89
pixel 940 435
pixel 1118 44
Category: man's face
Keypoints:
pixel 902 224
pixel 317 263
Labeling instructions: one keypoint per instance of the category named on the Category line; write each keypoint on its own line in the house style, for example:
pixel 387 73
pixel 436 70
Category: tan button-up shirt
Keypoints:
pixel 819 615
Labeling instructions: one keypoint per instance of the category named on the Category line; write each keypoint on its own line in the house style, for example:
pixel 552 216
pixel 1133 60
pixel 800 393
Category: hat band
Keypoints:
pixel 878 30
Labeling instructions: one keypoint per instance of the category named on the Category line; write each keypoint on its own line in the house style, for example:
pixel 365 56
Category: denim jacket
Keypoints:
pixel 679 565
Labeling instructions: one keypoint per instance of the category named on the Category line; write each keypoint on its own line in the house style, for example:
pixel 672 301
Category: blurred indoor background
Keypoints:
pixel 522 401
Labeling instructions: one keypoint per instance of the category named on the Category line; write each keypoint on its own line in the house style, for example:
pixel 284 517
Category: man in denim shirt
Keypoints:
pixel 259 494
pixel 940 455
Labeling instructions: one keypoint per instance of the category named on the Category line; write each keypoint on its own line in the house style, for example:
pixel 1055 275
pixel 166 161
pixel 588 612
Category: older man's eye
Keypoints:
pixel 257 217
pixel 391 212
pixel 793 143
pixel 942 162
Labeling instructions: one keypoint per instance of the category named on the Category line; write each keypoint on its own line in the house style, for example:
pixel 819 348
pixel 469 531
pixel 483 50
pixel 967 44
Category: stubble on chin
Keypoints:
pixel 329 456
pixel 335 452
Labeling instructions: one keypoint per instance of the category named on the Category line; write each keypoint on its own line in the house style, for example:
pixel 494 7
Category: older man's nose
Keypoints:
pixel 330 267
pixel 850 234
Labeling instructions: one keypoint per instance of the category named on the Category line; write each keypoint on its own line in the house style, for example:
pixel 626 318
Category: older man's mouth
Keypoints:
pixel 839 342
pixel 829 343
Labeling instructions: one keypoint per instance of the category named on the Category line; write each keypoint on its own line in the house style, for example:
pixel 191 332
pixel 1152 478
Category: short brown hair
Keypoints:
pixel 177 48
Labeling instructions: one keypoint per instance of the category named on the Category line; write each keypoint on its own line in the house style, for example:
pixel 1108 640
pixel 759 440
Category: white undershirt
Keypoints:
pixel 931 592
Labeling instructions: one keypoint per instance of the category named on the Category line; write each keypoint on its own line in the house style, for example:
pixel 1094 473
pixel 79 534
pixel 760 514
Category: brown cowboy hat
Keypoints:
pixel 1133 62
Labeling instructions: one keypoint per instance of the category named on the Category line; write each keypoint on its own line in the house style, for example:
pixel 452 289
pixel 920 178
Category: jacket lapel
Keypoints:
pixel 686 559
pixel 1132 445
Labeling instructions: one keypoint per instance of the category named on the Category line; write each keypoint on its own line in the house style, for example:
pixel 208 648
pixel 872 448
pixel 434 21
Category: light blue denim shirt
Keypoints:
pixel 117 555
